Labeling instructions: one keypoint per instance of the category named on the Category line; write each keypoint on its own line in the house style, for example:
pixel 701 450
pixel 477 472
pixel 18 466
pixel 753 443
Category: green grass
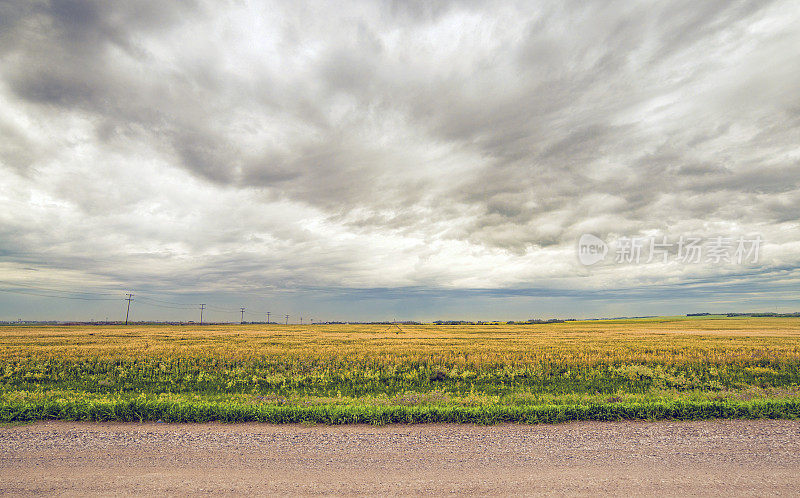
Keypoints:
pixel 174 411
pixel 16 423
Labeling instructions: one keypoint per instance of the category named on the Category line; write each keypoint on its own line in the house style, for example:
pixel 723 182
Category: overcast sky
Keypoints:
pixel 409 160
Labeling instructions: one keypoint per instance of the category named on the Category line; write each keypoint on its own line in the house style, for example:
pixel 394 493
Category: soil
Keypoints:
pixel 621 458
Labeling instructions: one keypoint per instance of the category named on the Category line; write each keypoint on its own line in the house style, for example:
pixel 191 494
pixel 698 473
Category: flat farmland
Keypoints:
pixel 654 368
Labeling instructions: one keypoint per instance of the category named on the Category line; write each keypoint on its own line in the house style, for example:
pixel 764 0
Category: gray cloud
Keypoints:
pixel 396 135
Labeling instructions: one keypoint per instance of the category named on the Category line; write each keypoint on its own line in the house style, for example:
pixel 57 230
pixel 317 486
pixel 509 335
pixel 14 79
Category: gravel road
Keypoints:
pixel 644 458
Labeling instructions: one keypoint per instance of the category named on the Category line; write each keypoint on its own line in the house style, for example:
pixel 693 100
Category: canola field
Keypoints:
pixel 655 368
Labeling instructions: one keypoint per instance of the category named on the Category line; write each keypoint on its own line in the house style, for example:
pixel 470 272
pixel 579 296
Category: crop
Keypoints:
pixel 668 367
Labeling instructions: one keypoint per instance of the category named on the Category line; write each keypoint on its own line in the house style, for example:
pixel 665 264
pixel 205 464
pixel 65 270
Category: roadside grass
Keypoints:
pixel 656 368
pixel 16 423
pixel 172 411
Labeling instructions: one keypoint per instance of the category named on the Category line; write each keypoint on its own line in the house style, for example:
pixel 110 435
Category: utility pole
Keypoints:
pixel 202 307
pixel 268 314
pixel 287 319
pixel 242 310
pixel 129 299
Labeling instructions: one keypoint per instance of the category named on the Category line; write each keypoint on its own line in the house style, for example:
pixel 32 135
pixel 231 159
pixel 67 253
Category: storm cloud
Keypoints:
pixel 375 148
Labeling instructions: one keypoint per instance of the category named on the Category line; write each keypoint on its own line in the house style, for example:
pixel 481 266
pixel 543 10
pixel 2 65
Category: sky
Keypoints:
pixel 405 160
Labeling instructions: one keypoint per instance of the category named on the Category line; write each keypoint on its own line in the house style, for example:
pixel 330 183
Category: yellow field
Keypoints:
pixel 665 339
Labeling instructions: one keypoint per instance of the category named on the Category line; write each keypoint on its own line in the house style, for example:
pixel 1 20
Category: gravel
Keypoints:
pixel 644 458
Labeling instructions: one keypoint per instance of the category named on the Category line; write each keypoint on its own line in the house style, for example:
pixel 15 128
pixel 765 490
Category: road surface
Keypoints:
pixel 621 458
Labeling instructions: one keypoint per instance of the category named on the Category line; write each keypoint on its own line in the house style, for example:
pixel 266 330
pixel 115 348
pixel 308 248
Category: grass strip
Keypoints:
pixel 169 411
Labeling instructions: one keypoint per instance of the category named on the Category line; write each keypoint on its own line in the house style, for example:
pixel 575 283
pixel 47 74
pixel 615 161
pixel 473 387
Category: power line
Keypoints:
pixel 31 293
pixel 210 307
pixel 166 306
pixel 145 300
pixel 181 306
pixel 49 289
pixel 222 310
pixel 168 302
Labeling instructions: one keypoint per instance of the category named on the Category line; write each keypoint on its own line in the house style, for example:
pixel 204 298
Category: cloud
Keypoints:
pixel 390 144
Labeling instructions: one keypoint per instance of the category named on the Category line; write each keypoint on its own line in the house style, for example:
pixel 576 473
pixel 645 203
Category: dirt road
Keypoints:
pixel 672 458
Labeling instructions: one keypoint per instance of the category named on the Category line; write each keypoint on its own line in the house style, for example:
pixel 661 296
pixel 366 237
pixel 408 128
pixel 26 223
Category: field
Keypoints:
pixel 659 368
